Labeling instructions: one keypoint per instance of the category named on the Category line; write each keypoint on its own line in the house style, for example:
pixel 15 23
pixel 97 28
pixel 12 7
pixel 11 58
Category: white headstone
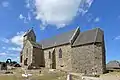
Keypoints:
pixel 69 77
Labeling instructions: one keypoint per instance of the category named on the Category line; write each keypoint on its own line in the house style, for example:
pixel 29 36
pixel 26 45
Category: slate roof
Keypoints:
pixel 90 36
pixel 34 44
pixel 113 64
pixel 63 38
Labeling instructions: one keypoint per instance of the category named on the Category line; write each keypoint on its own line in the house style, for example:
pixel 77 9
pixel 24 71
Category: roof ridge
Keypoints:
pixel 76 30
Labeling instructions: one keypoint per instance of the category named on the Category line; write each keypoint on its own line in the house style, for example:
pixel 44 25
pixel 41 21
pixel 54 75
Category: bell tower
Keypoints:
pixel 29 35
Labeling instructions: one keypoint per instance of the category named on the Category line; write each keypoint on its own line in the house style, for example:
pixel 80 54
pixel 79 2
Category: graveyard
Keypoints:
pixel 47 74
pixel 19 73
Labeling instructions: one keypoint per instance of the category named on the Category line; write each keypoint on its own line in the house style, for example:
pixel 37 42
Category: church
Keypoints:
pixel 72 51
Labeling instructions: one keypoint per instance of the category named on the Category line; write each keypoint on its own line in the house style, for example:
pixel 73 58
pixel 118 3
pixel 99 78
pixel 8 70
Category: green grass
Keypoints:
pixel 10 77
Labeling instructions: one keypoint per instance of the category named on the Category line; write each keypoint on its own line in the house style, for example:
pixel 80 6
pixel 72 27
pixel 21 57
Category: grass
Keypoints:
pixel 36 76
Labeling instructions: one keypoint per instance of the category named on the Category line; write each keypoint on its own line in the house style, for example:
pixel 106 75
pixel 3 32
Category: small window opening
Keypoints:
pixel 60 53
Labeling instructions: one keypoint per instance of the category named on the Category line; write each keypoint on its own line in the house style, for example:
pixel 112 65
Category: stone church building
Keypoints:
pixel 72 51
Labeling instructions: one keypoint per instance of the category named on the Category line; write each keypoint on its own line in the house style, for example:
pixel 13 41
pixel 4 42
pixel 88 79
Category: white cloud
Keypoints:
pixel 27 4
pixel 89 17
pixel 5 40
pixel 5 3
pixel 3 54
pixel 15 44
pixel 18 38
pixel 15 49
pixel 25 19
pixel 18 57
pixel 42 27
pixel 29 17
pixel 97 19
pixel 59 12
pixel 3 47
pixel 117 38
pixel 21 16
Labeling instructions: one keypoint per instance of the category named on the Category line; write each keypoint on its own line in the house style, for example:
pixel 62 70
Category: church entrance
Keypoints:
pixel 53 60
pixel 26 61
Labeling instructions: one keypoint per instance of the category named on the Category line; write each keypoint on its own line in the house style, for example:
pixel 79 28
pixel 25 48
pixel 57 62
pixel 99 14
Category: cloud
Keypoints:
pixel 97 19
pixel 59 12
pixel 18 38
pixel 14 46
pixel 15 40
pixel 25 19
pixel 3 47
pixel 3 54
pixel 21 16
pixel 117 38
pixel 15 49
pixel 5 3
pixel 5 40
pixel 89 17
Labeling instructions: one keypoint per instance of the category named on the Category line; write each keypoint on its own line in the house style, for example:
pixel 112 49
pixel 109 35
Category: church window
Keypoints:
pixel 21 58
pixel 26 61
pixel 60 53
pixel 49 55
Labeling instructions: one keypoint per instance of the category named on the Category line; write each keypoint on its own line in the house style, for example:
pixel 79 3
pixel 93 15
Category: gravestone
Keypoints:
pixel 3 66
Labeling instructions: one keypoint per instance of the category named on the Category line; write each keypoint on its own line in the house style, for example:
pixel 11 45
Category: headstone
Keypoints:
pixel 69 77
pixel 3 66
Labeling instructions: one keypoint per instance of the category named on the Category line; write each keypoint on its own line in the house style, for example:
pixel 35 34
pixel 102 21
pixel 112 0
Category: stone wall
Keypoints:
pixel 88 59
pixel 27 53
pixel 38 57
pixel 100 58
pixel 63 63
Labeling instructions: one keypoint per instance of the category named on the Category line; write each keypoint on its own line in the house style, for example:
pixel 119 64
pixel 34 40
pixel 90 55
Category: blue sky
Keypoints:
pixel 52 17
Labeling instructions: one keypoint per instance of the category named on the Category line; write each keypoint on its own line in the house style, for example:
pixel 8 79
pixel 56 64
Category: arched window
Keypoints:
pixel 60 53
pixel 49 55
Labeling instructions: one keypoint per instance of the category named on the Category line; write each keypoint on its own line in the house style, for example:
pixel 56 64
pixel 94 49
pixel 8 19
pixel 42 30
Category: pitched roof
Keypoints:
pixel 90 36
pixel 28 32
pixel 36 44
pixel 113 64
pixel 63 38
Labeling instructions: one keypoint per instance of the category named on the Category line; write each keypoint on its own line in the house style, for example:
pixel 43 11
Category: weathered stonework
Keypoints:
pixel 79 52
pixel 63 63
pixel 32 56
pixel 27 54
pixel 88 59
pixel 38 57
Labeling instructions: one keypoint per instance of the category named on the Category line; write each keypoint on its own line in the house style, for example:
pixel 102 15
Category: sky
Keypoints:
pixel 52 17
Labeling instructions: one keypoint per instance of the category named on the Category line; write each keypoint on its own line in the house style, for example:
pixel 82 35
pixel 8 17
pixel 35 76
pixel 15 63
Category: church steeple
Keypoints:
pixel 29 35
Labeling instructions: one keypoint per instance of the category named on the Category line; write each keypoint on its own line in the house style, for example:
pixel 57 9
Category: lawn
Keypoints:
pixel 35 76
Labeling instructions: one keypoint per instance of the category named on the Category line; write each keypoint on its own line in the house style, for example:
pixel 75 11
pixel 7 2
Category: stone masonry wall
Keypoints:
pixel 100 59
pixel 38 57
pixel 27 53
pixel 87 59
pixel 63 63
pixel 83 59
